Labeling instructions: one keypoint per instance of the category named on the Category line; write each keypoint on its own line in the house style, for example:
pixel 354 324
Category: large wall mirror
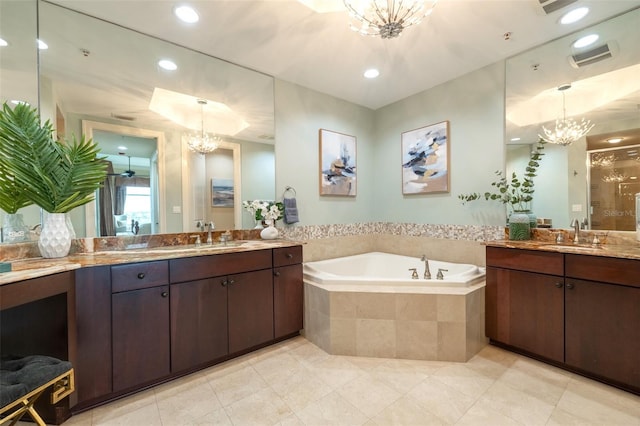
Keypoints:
pixel 594 179
pixel 105 81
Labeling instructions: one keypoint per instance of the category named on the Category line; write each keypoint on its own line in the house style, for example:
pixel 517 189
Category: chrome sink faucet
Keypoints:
pixel 211 226
pixel 575 223
pixel 427 272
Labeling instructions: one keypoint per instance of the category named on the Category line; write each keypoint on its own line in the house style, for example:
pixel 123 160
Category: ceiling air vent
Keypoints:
pixel 590 56
pixel 123 117
pixel 550 6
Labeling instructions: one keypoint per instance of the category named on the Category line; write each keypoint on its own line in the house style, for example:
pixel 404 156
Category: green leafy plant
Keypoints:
pixel 55 175
pixel 515 191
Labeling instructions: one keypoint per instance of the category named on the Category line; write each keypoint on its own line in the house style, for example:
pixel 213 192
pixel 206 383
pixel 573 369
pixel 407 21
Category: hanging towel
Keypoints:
pixel 290 211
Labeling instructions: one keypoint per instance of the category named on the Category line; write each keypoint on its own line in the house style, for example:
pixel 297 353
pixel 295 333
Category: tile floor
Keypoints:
pixel 296 383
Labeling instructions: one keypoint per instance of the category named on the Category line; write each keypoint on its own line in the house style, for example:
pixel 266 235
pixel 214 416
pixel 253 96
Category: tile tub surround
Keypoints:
pixel 438 324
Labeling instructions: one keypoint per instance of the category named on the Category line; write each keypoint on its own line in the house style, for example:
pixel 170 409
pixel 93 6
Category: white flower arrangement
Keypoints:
pixel 264 210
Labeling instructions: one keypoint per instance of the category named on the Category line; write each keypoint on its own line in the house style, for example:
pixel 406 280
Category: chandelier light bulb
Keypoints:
pixel 386 18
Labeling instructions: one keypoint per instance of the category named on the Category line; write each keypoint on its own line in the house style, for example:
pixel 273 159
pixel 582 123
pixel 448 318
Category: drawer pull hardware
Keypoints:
pixel 277 274
pixel 559 285
pixel 224 283
pixel 289 256
pixel 569 286
pixel 141 275
pixel 164 294
pixel 230 282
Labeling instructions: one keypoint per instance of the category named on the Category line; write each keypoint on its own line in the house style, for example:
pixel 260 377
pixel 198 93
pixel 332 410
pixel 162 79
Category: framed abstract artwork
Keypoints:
pixel 425 159
pixel 221 192
pixel 337 164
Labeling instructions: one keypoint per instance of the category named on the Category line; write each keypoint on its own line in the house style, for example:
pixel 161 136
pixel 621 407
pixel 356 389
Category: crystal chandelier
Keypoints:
pixel 615 177
pixel 602 160
pixel 386 18
pixel 202 143
pixel 567 130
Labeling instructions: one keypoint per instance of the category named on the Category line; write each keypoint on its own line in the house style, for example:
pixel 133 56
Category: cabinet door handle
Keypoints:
pixel 230 282
pixel 141 275
pixel 569 286
pixel 277 274
pixel 164 294
pixel 559 285
pixel 289 256
pixel 224 283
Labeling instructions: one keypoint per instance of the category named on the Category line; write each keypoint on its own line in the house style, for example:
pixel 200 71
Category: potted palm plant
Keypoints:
pixel 516 192
pixel 57 176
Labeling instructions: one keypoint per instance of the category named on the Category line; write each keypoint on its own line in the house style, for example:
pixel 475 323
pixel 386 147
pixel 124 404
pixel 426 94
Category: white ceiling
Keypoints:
pixel 289 41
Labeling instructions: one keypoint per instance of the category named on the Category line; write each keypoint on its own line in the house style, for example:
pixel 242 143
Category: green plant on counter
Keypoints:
pixel 515 191
pixel 58 176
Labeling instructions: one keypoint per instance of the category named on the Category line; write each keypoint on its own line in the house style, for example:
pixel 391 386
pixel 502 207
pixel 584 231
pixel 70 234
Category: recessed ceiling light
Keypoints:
pixel 3 42
pixel 42 45
pixel 586 41
pixel 186 14
pixel 633 177
pixel 515 139
pixel 167 65
pixel 371 73
pixel 614 140
pixel 574 15
pixel 122 148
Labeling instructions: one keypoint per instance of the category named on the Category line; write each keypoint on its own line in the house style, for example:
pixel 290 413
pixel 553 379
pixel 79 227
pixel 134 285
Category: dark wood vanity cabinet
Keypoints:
pixel 140 323
pixel 578 311
pixel 288 297
pixel 602 302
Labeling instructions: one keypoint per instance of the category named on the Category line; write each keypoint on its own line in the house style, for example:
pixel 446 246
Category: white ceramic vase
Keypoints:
pixel 270 232
pixel 55 238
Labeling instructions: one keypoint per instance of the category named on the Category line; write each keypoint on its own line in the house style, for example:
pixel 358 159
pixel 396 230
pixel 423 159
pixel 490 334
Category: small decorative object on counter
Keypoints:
pixel 267 211
pixel 519 229
pixel 13 229
pixel 270 232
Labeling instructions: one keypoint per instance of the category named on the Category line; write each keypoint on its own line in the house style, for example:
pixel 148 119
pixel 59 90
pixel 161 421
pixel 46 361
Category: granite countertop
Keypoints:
pixel 624 251
pixel 28 268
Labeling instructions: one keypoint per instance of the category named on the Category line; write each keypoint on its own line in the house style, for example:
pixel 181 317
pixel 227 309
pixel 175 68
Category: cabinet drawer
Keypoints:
pixel 287 256
pixel 526 260
pixel 605 269
pixel 197 268
pixel 139 275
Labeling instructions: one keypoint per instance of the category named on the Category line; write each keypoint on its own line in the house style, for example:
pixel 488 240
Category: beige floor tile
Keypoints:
pixel 291 420
pixel 147 415
pixel 188 405
pixel 335 371
pixel 481 415
pixel 332 410
pixel 308 353
pixel 276 366
pixel 545 384
pixel 215 418
pixel 301 389
pixel 406 411
pixel 122 407
pixel 82 419
pixel 517 405
pixel 368 394
pixel 600 404
pixel 492 361
pixel 562 418
pixel 464 379
pixel 261 408
pixel 399 377
pixel 234 386
pixel 441 400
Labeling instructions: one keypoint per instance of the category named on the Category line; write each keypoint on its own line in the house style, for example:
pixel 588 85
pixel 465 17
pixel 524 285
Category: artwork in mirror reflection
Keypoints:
pixel 605 90
pixel 103 73
pixel 222 192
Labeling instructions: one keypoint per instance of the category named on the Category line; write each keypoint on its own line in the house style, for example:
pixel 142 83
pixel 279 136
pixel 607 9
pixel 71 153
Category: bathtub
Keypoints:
pixel 389 270
pixel 368 305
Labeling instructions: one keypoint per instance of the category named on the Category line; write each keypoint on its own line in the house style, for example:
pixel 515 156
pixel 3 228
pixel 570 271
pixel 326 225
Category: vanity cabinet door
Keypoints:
pixel 140 321
pixel 250 305
pixel 526 310
pixel 603 330
pixel 288 300
pixel 198 323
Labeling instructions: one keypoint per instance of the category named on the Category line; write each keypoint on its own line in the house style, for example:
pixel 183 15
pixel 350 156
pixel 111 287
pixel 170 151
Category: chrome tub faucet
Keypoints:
pixel 427 272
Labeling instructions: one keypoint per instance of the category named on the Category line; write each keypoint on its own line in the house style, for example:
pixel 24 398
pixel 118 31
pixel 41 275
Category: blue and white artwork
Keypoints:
pixel 222 192
pixel 425 159
pixel 337 164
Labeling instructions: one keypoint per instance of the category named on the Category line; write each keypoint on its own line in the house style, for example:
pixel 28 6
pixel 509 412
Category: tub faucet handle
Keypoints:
pixel 414 273
pixel 439 275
